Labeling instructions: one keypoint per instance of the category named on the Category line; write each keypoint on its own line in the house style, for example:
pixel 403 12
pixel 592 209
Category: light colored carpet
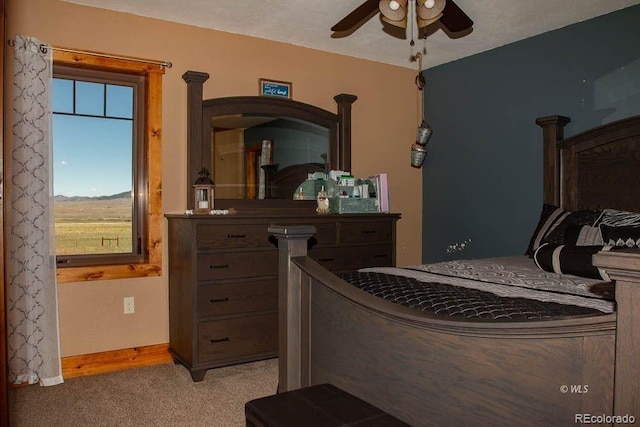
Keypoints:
pixel 161 395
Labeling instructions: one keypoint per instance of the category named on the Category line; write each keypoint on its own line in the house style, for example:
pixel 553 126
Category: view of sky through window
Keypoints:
pixel 92 143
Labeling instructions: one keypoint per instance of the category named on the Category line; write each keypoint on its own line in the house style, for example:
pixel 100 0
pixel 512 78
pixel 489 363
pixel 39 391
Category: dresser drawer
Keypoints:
pixel 325 233
pixel 364 232
pixel 240 297
pixel 237 337
pixel 353 258
pixel 232 265
pixel 229 236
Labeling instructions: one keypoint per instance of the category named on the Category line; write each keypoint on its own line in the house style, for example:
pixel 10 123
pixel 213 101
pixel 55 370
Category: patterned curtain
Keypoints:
pixel 33 337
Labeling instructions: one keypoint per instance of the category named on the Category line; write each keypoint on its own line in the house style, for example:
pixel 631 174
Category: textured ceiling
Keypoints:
pixel 307 23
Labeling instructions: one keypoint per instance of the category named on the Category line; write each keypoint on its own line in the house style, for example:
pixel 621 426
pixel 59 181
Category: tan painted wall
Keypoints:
pixel 384 121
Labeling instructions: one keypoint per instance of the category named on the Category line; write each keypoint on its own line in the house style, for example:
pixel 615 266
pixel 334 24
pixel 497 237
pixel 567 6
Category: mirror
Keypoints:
pixel 288 125
pixel 265 157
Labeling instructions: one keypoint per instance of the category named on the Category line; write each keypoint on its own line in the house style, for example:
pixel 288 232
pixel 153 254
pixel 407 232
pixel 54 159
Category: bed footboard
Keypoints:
pixel 624 268
pixel 432 371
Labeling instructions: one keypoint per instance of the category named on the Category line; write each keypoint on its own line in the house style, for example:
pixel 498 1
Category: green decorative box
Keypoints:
pixel 352 205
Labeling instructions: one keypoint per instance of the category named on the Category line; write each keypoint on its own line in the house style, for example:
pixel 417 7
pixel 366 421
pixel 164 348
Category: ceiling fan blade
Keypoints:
pixel 365 10
pixel 454 19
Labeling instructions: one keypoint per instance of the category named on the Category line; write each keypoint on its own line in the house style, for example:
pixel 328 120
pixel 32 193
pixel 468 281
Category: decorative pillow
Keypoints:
pixel 618 218
pixel 574 260
pixel 583 235
pixel 627 235
pixel 553 223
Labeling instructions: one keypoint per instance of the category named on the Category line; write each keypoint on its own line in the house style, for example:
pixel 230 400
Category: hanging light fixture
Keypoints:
pixel 398 13
pixel 418 149
pixel 394 12
pixel 427 12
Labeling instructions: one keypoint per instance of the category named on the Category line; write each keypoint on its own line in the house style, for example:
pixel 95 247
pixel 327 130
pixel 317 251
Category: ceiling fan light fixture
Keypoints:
pixel 394 11
pixel 430 10
pixel 424 22
pixel 402 23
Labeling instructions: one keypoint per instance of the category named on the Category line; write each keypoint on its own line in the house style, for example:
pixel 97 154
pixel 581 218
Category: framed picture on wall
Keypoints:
pixel 276 88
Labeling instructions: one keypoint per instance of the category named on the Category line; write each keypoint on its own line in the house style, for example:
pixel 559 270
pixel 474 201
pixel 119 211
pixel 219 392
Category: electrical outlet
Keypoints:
pixel 129 305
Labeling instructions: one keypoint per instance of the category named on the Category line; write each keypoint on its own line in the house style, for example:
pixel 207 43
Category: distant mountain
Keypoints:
pixel 123 195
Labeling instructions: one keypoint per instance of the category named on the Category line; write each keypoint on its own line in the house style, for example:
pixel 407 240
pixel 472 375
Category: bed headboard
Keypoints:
pixel 285 182
pixel 596 169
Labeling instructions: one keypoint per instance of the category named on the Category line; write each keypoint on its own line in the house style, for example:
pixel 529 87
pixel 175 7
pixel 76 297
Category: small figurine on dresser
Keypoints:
pixel 323 202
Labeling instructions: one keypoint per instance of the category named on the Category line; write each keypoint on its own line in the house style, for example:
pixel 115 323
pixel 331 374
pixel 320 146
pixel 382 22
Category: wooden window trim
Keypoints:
pixel 153 135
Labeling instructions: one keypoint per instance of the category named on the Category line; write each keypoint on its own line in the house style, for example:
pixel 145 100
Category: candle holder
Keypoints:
pixel 203 193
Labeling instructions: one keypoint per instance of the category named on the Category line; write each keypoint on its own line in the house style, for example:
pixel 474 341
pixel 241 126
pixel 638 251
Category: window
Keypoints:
pixel 107 177
pixel 99 169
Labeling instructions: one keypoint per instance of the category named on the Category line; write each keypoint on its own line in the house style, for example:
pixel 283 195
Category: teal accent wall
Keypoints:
pixel 482 179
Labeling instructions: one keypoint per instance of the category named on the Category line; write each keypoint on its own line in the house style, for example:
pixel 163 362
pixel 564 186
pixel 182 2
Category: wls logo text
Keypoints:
pixel 575 388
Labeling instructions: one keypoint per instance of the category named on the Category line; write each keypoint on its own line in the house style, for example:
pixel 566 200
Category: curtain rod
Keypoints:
pixel 44 48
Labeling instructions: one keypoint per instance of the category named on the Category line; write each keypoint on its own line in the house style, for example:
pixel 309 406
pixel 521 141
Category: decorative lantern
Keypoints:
pixel 203 193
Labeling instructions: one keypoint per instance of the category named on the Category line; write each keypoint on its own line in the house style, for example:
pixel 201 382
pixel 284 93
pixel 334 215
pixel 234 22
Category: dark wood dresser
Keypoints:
pixel 223 284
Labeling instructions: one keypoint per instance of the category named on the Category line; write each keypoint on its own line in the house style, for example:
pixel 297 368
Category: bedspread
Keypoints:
pixel 508 288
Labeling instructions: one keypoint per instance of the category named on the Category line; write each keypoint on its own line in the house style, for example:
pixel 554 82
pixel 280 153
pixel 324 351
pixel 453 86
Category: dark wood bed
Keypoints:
pixel 429 370
pixel 283 183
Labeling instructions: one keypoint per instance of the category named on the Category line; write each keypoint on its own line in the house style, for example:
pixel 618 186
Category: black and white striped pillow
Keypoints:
pixel 583 235
pixel 575 260
pixel 554 222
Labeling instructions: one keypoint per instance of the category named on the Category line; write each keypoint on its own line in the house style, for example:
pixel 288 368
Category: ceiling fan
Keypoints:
pixel 394 12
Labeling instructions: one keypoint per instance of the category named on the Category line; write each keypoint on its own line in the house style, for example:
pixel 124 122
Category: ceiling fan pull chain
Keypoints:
pixel 412 10
pixel 424 43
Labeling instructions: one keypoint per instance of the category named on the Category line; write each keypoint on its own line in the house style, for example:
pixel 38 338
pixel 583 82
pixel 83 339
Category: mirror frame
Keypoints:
pixel 199 149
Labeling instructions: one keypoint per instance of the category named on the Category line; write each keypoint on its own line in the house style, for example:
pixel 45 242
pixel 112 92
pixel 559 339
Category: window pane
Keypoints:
pixel 93 176
pixel 90 98
pixel 120 101
pixel 63 99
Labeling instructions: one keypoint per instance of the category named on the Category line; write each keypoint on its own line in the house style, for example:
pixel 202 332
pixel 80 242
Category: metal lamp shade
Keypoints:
pixel 428 13
pixel 396 17
pixel 423 23
pixel 418 154
pixel 424 133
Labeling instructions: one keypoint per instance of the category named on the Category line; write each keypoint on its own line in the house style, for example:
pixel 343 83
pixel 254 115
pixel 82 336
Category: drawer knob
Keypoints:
pixel 368 231
pixel 219 266
pixel 215 341
pixel 235 236
pixel 214 300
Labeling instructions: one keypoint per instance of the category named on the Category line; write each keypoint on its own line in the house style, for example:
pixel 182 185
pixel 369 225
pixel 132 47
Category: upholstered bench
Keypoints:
pixel 320 405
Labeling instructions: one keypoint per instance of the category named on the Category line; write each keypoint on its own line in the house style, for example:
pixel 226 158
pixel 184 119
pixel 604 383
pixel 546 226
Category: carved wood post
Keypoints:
pixel 624 268
pixel 552 132
pixel 292 242
pixel 195 155
pixel 344 102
